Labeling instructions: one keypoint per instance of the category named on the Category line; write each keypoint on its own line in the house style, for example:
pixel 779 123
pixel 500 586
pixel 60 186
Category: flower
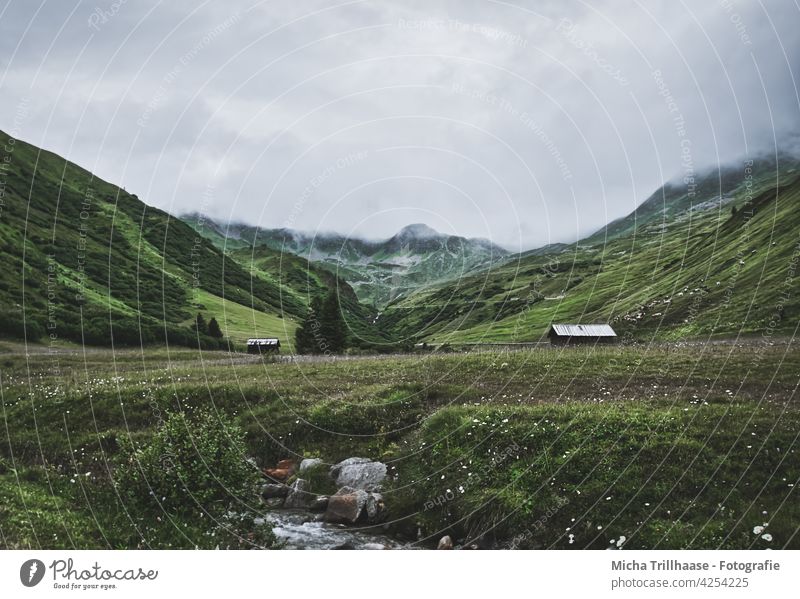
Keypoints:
pixel 757 530
pixel 767 537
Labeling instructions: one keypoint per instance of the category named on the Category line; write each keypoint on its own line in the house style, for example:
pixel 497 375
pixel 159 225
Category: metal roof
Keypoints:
pixel 272 341
pixel 584 330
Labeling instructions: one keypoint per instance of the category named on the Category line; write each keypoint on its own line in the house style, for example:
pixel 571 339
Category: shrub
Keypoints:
pixel 192 472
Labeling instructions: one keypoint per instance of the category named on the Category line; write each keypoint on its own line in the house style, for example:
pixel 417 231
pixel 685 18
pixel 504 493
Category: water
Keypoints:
pixel 300 530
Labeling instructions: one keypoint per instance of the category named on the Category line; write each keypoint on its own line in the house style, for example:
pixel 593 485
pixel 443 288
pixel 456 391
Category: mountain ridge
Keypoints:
pixel 379 270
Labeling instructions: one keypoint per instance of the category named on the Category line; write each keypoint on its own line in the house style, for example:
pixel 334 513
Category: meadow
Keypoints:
pixel 671 445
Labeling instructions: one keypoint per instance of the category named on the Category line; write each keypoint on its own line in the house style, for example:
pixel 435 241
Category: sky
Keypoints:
pixel 526 123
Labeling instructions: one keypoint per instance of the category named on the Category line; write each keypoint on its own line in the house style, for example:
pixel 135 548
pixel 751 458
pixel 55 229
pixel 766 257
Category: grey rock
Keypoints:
pixel 348 462
pixel 274 502
pixel 445 543
pixel 270 491
pixel 359 473
pixel 299 496
pixel 310 463
pixel 375 508
pixel 373 546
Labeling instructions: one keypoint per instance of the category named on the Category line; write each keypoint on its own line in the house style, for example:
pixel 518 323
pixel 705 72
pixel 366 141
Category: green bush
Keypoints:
pixel 192 471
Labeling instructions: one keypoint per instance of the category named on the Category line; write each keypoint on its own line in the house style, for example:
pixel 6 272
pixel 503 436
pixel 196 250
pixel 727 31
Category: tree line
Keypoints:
pixel 324 330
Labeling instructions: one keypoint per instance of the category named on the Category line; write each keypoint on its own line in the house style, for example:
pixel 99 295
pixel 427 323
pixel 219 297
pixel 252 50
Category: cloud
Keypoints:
pixel 523 125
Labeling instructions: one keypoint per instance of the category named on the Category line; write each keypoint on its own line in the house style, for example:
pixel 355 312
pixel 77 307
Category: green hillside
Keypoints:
pixel 86 261
pixel 300 281
pixel 717 263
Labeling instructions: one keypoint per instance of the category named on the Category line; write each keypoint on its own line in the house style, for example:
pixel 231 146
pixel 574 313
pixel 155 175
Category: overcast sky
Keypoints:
pixel 523 122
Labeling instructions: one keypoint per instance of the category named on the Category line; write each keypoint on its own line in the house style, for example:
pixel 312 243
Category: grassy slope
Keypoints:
pixel 671 447
pixel 301 281
pixel 135 266
pixel 689 274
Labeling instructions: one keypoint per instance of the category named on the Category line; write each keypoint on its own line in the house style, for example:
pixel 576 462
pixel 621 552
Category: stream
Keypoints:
pixel 299 529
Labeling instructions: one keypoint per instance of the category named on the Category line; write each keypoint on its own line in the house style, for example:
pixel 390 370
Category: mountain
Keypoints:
pixel 716 262
pixel 379 271
pixel 88 262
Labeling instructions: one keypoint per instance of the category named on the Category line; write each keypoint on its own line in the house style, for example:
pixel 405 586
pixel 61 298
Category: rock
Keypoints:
pixel 282 471
pixel 346 505
pixel 278 474
pixel 346 545
pixel 445 543
pixel 310 463
pixel 274 502
pixel 375 508
pixel 287 464
pixel 270 491
pixel 373 546
pixel 359 473
pixel 319 504
pixel 299 496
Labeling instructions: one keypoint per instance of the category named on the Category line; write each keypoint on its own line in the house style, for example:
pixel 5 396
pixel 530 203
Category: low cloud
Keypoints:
pixel 525 126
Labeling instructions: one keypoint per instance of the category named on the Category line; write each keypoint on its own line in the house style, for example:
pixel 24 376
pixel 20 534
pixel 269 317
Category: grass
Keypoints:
pixel 689 275
pixel 239 323
pixel 670 446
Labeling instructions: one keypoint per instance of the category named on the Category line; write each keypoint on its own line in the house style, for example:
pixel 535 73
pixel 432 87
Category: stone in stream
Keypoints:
pixel 320 504
pixel 375 508
pixel 310 463
pixel 445 543
pixel 346 505
pixel 270 491
pixel 274 502
pixel 359 473
pixel 299 496
pixel 350 505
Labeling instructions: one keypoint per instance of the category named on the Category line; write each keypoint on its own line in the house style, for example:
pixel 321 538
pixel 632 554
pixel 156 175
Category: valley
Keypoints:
pixel 127 424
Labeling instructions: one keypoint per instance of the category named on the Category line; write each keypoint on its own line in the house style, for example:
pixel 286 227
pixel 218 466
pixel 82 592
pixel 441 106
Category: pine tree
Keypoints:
pixel 213 328
pixel 304 341
pixel 332 330
pixel 200 324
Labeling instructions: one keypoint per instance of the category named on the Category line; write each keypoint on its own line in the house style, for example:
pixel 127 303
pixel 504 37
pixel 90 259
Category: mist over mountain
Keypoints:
pixel 378 270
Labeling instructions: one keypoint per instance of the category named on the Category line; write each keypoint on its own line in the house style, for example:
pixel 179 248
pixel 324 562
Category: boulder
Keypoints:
pixel 310 463
pixel 346 506
pixel 374 509
pixel 282 471
pixel 270 491
pixel 359 473
pixel 299 495
pixel 445 543
pixel 319 504
pixel 274 502
pixel 288 464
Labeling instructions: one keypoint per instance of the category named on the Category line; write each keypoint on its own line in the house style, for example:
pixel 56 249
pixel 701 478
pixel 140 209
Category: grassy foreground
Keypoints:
pixel 669 446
